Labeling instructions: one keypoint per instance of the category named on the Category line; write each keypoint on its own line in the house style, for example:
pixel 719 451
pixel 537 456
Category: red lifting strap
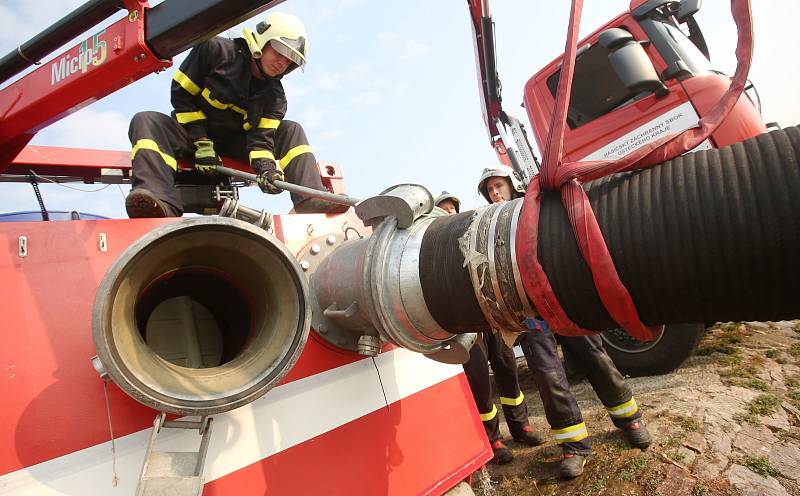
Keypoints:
pixel 568 178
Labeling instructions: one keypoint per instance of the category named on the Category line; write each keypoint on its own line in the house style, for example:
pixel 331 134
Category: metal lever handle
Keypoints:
pixel 293 188
pixel 333 313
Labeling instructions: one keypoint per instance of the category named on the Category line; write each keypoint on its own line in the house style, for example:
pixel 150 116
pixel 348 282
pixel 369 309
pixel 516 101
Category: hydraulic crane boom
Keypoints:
pixel 488 83
pixel 506 134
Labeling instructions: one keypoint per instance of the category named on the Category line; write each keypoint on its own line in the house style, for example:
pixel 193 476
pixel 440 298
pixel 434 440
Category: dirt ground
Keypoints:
pixel 726 423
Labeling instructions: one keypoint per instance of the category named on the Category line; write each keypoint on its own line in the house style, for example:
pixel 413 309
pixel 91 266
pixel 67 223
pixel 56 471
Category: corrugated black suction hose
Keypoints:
pixel 708 236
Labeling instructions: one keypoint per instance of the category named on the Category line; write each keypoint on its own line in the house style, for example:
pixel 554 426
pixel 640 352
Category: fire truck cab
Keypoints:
pixel 637 78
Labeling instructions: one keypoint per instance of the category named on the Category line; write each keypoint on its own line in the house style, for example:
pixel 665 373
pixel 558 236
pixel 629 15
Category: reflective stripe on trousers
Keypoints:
pixel 571 434
pixel 624 410
pixel 513 401
pixel 485 417
pixel 148 144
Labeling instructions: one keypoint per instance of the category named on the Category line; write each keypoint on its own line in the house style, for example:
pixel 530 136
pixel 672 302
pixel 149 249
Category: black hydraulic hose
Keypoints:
pixel 67 28
pixel 709 236
pixel 445 282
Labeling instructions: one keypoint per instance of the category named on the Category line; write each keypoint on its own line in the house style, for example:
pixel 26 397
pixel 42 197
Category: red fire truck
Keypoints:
pixel 340 319
pixel 206 330
pixel 643 75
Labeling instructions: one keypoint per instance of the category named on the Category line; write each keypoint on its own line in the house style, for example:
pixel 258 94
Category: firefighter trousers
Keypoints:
pixel 608 383
pixel 159 142
pixel 560 406
pixel 504 366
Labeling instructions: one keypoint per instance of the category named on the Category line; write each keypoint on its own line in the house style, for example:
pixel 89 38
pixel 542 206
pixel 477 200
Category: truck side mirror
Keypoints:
pixel 687 9
pixel 631 63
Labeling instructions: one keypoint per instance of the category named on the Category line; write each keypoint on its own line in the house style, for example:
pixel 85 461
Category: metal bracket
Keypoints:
pixel 175 473
pixel 456 350
pixel 234 209
pixel 522 159
pixel 225 194
pixel 100 369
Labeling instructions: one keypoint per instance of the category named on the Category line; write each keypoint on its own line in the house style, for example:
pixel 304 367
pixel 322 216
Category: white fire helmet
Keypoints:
pixel 285 33
pixel 517 189
pixel 448 196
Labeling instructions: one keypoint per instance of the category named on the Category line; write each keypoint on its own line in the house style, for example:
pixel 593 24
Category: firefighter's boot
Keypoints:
pixel 502 454
pixel 142 203
pixel 528 437
pixel 572 465
pixel 637 435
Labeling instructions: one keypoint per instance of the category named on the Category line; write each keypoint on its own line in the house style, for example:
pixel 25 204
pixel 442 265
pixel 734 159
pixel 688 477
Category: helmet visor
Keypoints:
pixel 291 49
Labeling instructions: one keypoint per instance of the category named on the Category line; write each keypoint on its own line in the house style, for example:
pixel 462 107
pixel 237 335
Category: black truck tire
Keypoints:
pixel 637 358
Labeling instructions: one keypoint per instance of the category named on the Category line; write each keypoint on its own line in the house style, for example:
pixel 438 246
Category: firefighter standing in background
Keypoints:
pixel 228 99
pixel 492 350
pixel 540 349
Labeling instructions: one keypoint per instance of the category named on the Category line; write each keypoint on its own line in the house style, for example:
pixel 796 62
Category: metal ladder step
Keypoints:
pixel 174 473
pixel 169 486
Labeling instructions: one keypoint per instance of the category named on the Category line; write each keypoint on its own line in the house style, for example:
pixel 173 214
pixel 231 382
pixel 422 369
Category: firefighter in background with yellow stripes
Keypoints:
pixel 540 349
pixel 228 100
pixel 491 349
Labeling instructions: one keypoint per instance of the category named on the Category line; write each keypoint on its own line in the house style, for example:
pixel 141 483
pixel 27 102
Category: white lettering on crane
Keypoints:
pixel 71 64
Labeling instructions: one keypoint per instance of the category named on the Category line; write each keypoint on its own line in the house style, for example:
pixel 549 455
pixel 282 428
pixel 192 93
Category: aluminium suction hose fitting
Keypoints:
pixel 371 287
pixel 201 316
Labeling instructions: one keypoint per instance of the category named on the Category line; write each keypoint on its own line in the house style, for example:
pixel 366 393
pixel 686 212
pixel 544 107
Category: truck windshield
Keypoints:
pixel 596 88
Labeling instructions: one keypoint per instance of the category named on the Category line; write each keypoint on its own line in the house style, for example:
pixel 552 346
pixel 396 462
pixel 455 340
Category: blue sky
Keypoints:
pixel 390 93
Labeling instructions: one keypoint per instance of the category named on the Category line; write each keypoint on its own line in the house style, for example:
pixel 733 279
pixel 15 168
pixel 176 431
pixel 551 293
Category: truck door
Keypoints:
pixel 606 120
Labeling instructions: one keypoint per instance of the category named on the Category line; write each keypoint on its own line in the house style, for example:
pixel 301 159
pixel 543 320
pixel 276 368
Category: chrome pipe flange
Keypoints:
pixel 327 322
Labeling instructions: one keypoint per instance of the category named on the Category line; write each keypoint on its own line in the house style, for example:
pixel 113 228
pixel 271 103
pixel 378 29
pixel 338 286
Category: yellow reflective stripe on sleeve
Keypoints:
pixel 261 154
pixel 571 434
pixel 246 126
pixel 186 83
pixel 292 153
pixel 218 104
pixel 624 410
pixel 265 123
pixel 513 401
pixel 186 117
pixel 214 103
pixel 148 144
pixel 485 417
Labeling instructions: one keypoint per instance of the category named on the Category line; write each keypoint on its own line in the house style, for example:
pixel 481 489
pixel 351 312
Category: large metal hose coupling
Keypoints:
pixel 366 292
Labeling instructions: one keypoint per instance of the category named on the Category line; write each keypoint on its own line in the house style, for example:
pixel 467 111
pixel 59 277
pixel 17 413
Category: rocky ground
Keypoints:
pixel 726 423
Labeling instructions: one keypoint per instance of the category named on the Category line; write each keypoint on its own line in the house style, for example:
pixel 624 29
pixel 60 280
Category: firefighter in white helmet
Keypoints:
pixel 539 346
pixel 448 202
pixel 228 99
pixel 500 184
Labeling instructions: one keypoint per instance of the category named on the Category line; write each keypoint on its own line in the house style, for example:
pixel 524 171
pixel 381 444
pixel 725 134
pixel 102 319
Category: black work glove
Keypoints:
pixel 267 171
pixel 206 159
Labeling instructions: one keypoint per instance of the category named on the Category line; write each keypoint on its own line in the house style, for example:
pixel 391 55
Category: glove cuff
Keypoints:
pixel 263 164
pixel 204 144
